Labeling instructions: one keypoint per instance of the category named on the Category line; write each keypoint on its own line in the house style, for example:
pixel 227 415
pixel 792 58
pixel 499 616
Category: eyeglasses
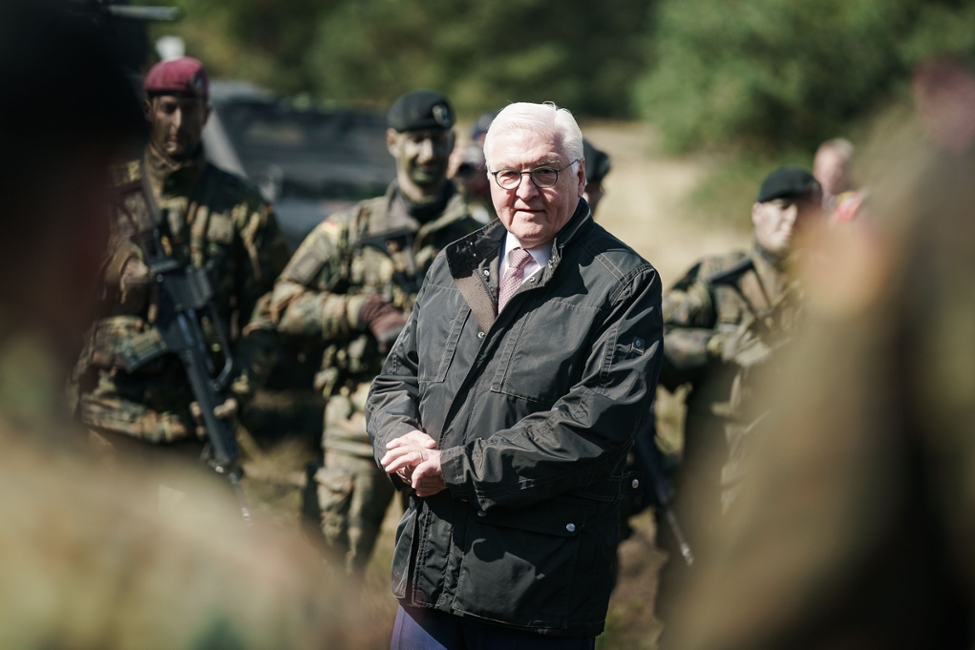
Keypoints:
pixel 542 177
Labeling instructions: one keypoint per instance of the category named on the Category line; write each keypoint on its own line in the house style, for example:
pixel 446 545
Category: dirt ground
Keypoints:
pixel 645 206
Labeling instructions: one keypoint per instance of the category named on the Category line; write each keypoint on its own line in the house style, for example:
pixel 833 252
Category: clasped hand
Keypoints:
pixel 415 459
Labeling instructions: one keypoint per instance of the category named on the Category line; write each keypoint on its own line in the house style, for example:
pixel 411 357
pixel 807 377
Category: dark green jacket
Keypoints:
pixel 535 412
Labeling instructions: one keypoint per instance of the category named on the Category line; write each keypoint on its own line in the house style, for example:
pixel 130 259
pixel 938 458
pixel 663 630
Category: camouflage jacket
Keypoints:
pixel 374 247
pixel 712 317
pixel 214 220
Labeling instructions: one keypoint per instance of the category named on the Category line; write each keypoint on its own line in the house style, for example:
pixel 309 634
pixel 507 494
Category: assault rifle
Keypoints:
pixel 185 294
pixel 650 465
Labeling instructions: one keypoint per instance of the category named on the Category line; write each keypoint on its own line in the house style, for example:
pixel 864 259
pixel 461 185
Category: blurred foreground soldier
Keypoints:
pixel 598 165
pixel 856 526
pixel 84 563
pixel 128 385
pixel 831 167
pixel 508 404
pixel 711 317
pixel 352 282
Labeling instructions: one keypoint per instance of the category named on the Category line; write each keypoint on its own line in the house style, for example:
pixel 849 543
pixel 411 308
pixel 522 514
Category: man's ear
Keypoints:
pixel 756 213
pixel 391 142
pixel 147 109
pixel 581 173
pixel 207 111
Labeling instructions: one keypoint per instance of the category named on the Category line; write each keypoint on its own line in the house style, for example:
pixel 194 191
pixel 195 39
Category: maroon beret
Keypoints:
pixel 182 76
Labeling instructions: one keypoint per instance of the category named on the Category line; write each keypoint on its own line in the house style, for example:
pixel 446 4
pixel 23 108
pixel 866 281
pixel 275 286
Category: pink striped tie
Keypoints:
pixel 513 278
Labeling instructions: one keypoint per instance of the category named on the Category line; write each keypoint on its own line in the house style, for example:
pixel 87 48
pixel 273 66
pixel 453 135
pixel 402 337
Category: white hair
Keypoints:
pixel 544 119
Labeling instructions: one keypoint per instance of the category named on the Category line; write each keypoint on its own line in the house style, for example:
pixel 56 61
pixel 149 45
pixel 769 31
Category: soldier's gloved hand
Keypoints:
pixel 223 411
pixel 134 285
pixel 383 320
pixel 744 346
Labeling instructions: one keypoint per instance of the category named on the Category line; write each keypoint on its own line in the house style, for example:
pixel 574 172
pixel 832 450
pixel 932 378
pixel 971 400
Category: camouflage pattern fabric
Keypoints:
pixel 855 526
pixel 353 498
pixel 215 220
pixel 374 248
pixel 90 558
pixel 708 316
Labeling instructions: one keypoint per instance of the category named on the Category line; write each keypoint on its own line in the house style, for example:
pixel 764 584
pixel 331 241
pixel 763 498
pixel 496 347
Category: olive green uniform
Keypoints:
pixel 857 528
pixel 382 247
pixel 213 220
pixel 710 317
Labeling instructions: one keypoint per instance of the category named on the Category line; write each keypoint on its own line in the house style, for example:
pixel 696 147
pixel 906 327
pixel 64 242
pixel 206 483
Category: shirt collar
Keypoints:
pixel 541 253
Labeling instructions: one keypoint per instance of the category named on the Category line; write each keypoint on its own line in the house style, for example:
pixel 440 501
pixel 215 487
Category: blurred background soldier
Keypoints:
pixel 84 563
pixel 598 165
pixel 856 529
pixel 832 168
pixel 468 170
pixel 127 386
pixel 352 282
pixel 707 314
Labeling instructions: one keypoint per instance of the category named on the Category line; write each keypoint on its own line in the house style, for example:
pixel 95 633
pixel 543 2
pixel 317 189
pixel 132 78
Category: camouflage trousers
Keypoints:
pixel 353 496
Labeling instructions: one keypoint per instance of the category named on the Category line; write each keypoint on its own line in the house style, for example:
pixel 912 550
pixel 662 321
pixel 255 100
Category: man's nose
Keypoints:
pixel 426 150
pixel 177 118
pixel 526 187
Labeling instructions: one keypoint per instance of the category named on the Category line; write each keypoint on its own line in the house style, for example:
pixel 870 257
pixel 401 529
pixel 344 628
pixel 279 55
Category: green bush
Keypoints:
pixel 485 54
pixel 787 73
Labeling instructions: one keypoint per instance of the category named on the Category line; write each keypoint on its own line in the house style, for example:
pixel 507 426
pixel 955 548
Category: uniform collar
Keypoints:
pixel 170 176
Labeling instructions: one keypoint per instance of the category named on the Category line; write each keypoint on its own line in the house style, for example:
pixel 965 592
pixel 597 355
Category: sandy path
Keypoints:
pixel 646 195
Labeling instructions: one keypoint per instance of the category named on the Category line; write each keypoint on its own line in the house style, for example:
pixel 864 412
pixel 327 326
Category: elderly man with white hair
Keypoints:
pixel 506 408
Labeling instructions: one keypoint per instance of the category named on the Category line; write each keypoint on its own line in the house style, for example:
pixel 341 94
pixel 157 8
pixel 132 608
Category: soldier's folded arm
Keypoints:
pixel 302 305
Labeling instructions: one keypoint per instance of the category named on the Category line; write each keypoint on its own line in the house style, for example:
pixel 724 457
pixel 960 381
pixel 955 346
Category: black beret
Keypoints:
pixel 597 163
pixel 787 182
pixel 421 110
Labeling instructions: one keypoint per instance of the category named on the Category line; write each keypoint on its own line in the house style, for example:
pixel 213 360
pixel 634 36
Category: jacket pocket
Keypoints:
pixel 519 565
pixel 433 366
pixel 550 343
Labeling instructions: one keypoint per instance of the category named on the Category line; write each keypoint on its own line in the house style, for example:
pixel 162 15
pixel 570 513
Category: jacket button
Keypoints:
pixel 635 483
pixel 487 272
pixel 570 527
pixel 481 513
pixel 480 335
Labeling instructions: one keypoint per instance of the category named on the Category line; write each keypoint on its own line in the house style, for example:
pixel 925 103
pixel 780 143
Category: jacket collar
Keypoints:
pixel 170 177
pixel 468 252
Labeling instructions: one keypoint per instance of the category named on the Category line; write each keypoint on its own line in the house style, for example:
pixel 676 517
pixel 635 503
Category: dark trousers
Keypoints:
pixel 428 629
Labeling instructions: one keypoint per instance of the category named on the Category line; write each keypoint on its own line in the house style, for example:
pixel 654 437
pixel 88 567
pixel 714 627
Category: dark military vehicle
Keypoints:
pixel 309 162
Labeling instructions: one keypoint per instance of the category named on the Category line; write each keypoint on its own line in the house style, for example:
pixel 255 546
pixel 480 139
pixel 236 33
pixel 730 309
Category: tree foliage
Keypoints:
pixel 772 74
pixel 781 73
pixel 580 54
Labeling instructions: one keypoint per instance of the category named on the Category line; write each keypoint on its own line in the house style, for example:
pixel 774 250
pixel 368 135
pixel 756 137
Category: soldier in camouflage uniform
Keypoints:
pixel 711 317
pixel 352 282
pixel 211 219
